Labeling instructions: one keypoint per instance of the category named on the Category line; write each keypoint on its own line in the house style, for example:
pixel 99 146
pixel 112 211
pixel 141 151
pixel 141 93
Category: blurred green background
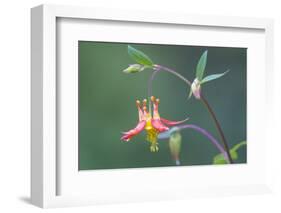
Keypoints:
pixel 107 103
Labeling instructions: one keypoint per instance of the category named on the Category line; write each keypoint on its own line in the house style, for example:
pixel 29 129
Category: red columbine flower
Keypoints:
pixel 152 123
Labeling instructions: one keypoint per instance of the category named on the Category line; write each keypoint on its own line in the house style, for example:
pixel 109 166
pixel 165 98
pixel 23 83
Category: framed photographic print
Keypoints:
pixel 133 105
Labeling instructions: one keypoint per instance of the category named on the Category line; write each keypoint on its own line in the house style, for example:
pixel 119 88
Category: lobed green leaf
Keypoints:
pixel 213 77
pixel 201 66
pixel 237 146
pixel 139 57
pixel 220 159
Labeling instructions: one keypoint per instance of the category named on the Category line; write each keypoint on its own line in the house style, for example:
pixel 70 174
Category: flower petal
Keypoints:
pixel 157 124
pixel 128 135
pixel 173 123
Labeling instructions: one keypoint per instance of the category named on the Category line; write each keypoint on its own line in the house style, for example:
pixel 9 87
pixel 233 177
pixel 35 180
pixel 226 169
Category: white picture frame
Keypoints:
pixel 45 157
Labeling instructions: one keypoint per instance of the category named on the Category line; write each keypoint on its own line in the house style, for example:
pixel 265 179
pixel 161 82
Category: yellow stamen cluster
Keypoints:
pixel 152 133
pixel 151 136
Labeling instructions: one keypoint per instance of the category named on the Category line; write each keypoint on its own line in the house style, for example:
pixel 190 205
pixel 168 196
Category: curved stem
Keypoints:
pixel 203 132
pixel 149 89
pixel 218 127
pixel 158 67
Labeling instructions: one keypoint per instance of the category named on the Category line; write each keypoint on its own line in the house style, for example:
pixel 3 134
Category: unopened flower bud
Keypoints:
pixel 134 68
pixel 196 88
pixel 175 146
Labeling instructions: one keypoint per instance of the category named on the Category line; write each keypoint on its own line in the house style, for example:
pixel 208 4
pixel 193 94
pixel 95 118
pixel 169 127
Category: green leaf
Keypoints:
pixel 219 159
pixel 201 66
pixel 213 77
pixel 237 146
pixel 139 57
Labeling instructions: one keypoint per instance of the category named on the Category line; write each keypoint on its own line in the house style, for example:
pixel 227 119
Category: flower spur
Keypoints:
pixel 151 122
